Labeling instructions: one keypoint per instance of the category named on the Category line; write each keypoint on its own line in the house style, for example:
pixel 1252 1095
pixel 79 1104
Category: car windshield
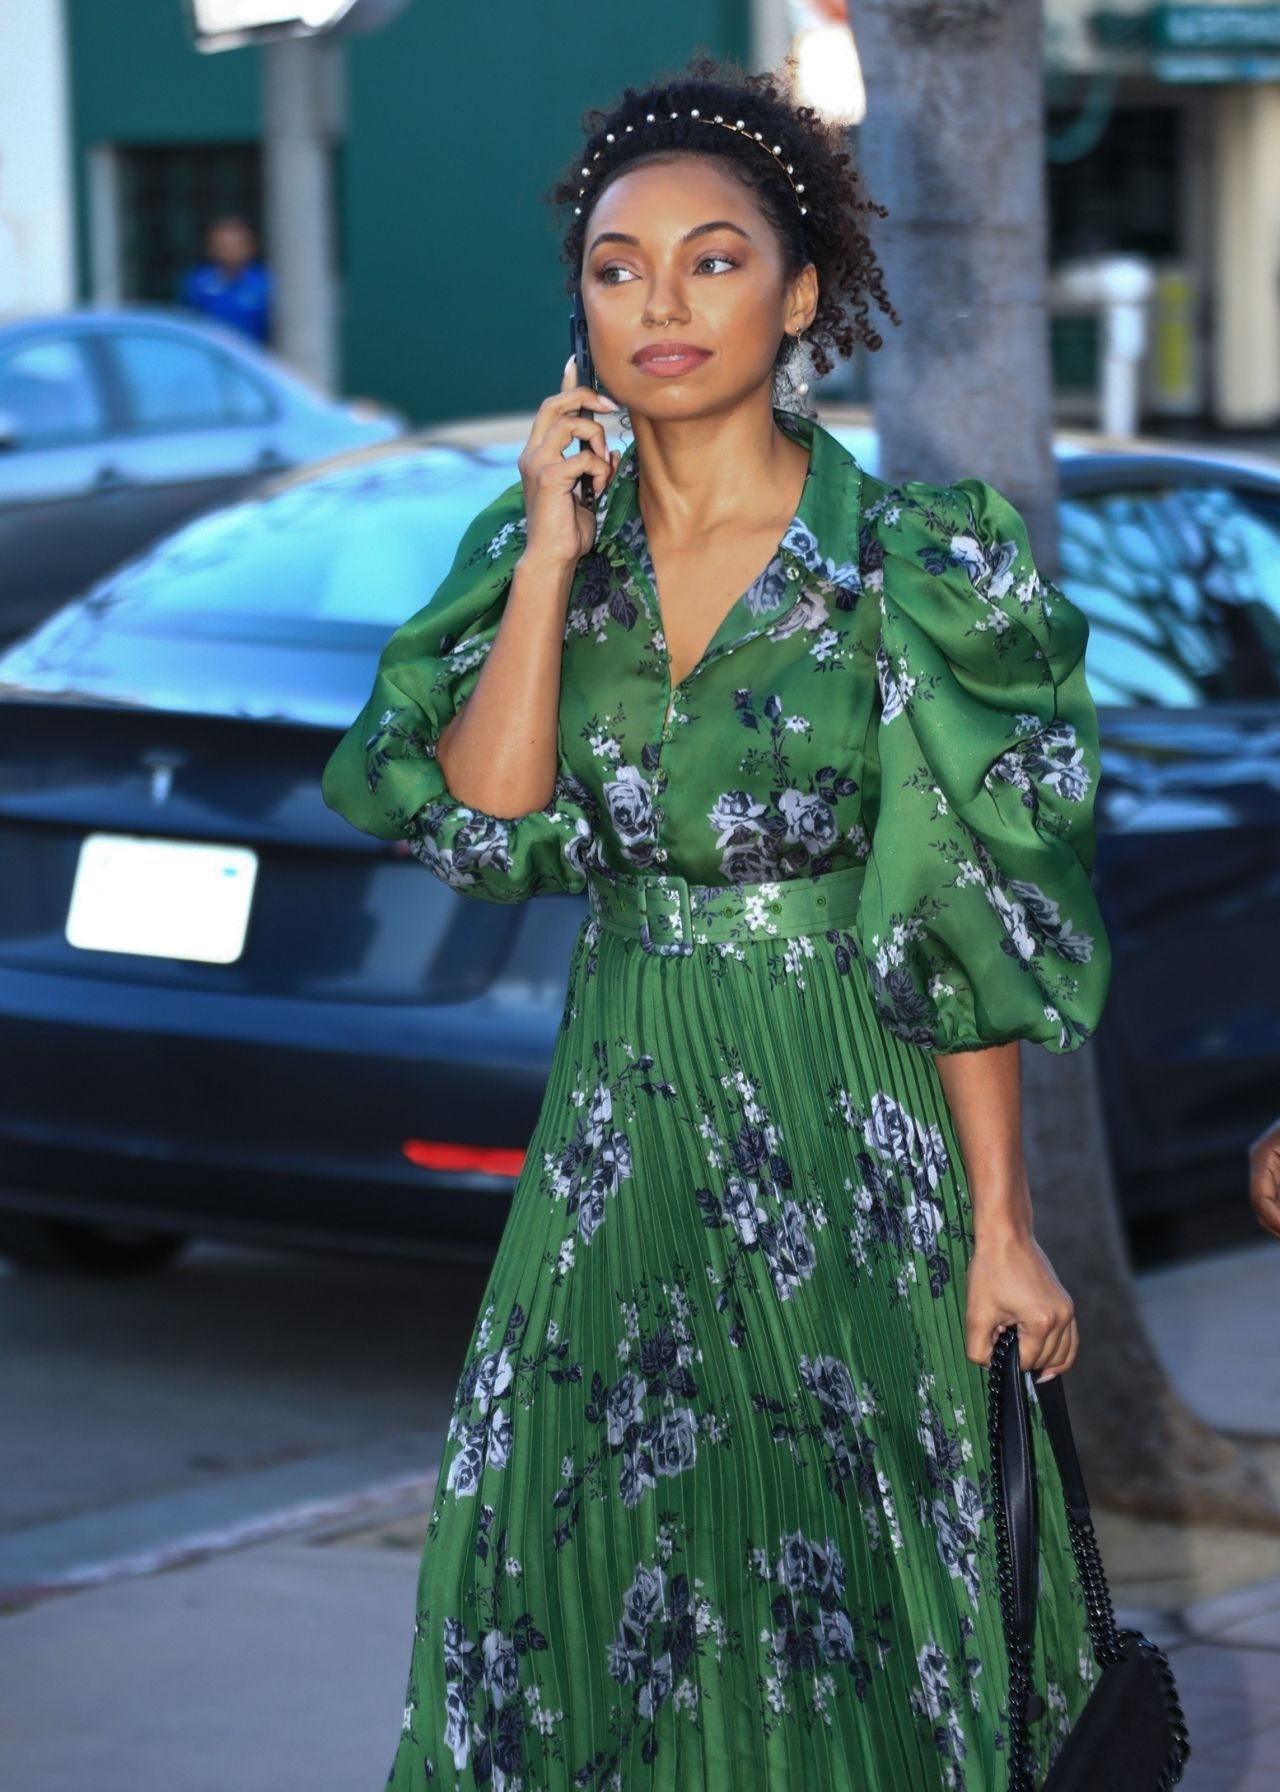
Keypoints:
pixel 355 550
pixel 1181 585
pixel 1180 582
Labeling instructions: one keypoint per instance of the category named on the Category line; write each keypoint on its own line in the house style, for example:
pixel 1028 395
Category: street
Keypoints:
pixel 240 1383
pixel 235 1503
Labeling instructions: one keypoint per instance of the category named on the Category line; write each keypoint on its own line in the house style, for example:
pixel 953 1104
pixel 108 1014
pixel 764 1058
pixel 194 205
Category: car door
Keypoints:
pixel 60 524
pixel 199 426
pixel 1181 583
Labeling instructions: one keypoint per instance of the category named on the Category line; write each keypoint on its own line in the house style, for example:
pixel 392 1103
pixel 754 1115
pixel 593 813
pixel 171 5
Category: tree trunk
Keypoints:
pixel 953 144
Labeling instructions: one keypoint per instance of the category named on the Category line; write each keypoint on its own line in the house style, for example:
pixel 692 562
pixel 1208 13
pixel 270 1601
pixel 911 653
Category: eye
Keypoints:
pixel 727 259
pixel 611 267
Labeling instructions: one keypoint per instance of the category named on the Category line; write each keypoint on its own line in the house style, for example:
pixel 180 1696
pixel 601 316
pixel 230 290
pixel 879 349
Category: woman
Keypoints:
pixel 714 1508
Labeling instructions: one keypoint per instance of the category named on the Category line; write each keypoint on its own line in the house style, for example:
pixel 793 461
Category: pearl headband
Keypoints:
pixel 740 126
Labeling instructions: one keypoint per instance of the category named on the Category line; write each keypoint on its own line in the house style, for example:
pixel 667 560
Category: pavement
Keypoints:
pixel 274 1651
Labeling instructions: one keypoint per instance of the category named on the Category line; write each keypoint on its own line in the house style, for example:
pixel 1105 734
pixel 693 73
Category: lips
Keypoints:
pixel 670 357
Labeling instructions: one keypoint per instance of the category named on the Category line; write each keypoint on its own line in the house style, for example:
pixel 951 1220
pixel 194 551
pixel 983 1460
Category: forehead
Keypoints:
pixel 674 192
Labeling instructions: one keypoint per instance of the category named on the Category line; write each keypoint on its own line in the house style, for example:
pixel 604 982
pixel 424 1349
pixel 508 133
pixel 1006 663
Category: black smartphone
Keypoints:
pixel 585 374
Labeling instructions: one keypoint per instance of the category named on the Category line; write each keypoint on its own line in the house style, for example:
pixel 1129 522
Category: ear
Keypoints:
pixel 802 300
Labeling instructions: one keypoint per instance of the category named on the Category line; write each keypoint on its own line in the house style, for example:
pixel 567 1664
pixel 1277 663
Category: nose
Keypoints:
pixel 664 306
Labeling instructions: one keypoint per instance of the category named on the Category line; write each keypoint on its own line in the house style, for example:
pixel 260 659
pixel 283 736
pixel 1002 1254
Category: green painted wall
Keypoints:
pixel 459 117
pixel 136 79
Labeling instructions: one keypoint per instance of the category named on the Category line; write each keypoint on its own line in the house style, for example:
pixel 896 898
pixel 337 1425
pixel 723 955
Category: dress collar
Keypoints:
pixel 818 552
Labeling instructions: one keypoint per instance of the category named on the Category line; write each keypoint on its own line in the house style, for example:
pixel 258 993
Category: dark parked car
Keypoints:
pixel 223 1011
pixel 115 426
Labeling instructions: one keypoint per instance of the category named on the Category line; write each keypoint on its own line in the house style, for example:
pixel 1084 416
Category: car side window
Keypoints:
pixel 171 384
pixel 1181 585
pixel 49 397
pixel 246 401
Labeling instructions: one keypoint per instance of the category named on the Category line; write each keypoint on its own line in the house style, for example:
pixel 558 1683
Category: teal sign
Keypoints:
pixel 1216 28
pixel 1219 69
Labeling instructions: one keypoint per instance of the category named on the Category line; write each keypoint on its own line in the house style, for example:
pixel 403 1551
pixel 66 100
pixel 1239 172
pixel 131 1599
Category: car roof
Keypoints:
pixel 1087 457
pixel 96 320
pixel 91 320
pixel 109 645
pixel 839 415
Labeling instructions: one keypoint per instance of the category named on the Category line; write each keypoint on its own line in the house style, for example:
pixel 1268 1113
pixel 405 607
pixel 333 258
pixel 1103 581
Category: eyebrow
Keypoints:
pixel 618 236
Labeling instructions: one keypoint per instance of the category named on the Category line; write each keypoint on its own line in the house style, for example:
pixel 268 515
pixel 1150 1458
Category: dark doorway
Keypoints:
pixel 167 195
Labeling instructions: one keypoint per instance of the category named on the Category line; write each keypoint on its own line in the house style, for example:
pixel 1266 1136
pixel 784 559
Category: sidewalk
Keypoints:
pixel 283 1663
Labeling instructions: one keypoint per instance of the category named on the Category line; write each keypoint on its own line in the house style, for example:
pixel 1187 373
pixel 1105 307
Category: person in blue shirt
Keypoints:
pixel 231 284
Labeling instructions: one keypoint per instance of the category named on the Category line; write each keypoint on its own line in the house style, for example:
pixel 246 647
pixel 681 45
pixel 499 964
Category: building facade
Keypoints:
pixel 1164 140
pixel 118 141
pixel 37 214
pixel 455 120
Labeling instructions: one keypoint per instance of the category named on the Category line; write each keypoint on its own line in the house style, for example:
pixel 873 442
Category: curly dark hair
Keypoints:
pixel 830 234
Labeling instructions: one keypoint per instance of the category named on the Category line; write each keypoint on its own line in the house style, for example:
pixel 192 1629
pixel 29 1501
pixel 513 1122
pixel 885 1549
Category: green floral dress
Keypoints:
pixel 715 1504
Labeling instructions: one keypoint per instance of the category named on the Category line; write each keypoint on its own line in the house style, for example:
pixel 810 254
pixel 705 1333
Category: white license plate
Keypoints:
pixel 162 898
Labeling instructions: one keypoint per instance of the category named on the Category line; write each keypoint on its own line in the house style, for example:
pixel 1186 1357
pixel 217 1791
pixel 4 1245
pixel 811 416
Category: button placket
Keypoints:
pixel 794 571
pixel 624 557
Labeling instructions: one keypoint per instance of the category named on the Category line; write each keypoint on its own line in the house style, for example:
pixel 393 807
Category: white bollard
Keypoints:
pixel 1120 288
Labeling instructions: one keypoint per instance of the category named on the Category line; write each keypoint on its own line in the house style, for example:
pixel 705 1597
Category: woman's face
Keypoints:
pixel 677 255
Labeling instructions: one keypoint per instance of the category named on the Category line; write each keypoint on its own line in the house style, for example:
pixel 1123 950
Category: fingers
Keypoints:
pixel 1014 1285
pixel 585 429
pixel 555 434
pixel 979 1344
pixel 1051 1351
pixel 1057 1348
pixel 571 396
pixel 574 413
pixel 1060 1358
pixel 1264 1181
pixel 1048 1348
pixel 566 473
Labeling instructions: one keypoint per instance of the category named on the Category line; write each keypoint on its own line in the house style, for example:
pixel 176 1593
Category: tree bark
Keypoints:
pixel 953 144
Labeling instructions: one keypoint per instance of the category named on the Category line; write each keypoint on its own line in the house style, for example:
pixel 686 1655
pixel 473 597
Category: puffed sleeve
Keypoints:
pixel 978 923
pixel 383 775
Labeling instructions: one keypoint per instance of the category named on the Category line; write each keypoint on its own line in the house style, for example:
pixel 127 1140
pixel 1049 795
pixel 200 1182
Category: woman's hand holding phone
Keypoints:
pixel 560 528
pixel 500 751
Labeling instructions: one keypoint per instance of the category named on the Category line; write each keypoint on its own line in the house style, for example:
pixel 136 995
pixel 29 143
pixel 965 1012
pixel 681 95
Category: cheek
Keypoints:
pixel 613 335
pixel 748 321
pixel 612 309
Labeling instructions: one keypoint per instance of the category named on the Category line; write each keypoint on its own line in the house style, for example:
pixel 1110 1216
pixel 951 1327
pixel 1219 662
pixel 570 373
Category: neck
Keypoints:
pixel 704 476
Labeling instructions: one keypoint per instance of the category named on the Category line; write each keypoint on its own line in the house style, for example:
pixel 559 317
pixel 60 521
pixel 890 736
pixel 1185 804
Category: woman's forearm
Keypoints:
pixel 499 753
pixel 984 1092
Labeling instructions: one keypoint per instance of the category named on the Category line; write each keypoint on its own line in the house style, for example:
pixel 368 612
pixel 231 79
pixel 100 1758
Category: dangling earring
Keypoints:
pixel 802 355
pixel 794 378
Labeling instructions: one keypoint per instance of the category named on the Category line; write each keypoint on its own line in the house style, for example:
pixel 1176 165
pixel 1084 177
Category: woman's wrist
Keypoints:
pixel 1001 1211
pixel 545 570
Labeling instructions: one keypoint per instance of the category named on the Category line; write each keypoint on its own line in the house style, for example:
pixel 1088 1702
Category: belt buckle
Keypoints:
pixel 666 920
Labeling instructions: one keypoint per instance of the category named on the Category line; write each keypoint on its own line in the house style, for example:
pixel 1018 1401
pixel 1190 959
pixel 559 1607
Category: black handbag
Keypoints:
pixel 1131 1735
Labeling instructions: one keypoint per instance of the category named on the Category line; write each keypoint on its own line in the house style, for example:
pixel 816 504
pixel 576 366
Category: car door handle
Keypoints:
pixel 268 459
pixel 109 479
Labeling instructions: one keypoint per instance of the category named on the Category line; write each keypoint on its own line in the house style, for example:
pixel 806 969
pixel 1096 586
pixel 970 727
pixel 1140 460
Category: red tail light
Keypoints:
pixel 442 1154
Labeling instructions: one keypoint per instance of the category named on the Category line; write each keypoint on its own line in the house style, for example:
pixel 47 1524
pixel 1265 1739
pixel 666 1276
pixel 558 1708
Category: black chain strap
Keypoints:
pixel 1107 1644
pixel 1107 1638
pixel 1016 1742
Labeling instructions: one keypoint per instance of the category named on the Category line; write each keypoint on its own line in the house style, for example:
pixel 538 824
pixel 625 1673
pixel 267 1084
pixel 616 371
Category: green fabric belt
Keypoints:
pixel 669 915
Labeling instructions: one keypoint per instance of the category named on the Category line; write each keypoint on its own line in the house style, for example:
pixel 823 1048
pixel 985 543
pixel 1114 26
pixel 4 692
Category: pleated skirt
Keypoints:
pixel 715 1508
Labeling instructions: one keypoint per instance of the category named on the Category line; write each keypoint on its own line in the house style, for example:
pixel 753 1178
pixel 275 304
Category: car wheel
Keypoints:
pixel 76 1246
